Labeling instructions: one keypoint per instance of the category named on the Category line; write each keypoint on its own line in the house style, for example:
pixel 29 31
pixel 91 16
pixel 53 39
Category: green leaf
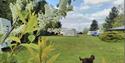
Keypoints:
pixel 31 38
pixel 32 48
pixel 53 58
pixel 14 39
pixel 23 16
pixel 31 45
pixel 32 23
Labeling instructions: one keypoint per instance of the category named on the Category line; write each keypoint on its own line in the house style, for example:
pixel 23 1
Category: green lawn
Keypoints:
pixel 71 48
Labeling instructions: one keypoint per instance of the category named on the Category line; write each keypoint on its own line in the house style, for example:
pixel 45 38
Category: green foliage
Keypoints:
pixel 52 24
pixel 110 18
pixel 94 26
pixel 26 17
pixel 49 18
pixel 64 7
pixel 31 25
pixel 5 58
pixel 31 38
pixel 40 7
pixel 118 21
pixel 14 39
pixel 5 11
pixel 111 36
pixel 52 15
pixel 38 53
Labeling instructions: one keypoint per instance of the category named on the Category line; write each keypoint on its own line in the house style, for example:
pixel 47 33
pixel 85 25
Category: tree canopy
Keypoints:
pixel 5 11
pixel 94 26
pixel 110 18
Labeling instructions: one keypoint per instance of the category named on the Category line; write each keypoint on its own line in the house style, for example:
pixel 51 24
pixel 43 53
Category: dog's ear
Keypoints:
pixel 92 57
pixel 80 58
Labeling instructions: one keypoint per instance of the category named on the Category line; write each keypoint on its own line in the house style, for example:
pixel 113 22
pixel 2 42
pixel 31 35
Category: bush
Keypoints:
pixel 111 36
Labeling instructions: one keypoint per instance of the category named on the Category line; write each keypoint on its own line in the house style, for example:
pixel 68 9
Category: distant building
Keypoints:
pixel 5 25
pixel 94 33
pixel 121 28
pixel 68 32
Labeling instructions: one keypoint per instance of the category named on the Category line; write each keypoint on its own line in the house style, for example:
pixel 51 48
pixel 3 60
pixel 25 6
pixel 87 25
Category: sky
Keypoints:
pixel 85 11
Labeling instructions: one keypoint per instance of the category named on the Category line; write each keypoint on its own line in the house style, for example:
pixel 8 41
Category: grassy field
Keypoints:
pixel 71 48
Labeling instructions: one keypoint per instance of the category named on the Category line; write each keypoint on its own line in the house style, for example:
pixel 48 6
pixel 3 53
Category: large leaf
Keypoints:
pixel 46 51
pixel 32 23
pixel 31 38
pixel 31 45
pixel 42 43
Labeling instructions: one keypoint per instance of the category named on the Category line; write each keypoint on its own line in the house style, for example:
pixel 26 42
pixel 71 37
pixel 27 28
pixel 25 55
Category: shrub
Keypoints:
pixel 111 36
pixel 39 53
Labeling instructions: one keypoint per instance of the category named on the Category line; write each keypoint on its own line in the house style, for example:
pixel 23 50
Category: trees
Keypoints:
pixel 28 21
pixel 53 24
pixel 118 21
pixel 58 25
pixel 53 15
pixel 110 18
pixel 94 26
pixel 5 11
pixel 45 16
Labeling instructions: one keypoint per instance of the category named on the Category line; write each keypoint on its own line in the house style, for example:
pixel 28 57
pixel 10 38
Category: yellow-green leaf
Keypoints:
pixel 14 38
pixel 32 23
pixel 31 38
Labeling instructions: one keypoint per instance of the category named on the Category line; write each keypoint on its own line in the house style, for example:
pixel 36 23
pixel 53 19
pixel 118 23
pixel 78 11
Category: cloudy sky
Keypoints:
pixel 85 11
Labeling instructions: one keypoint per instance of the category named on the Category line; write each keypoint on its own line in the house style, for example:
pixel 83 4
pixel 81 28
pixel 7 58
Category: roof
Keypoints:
pixel 121 28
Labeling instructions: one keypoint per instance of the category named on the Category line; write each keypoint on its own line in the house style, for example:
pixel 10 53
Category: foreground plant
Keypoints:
pixel 39 53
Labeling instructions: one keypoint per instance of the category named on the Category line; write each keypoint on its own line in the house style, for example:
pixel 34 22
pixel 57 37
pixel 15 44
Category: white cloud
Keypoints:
pixel 101 14
pixel 84 7
pixel 75 20
pixel 75 17
pixel 118 2
pixel 91 2
pixel 120 5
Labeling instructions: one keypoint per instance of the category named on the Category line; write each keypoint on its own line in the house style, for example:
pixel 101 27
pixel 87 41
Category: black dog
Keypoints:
pixel 87 60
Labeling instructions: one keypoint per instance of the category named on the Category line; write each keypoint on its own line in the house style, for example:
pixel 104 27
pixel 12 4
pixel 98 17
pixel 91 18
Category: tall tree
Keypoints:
pixel 58 25
pixel 110 18
pixel 94 26
pixel 40 6
pixel 53 25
